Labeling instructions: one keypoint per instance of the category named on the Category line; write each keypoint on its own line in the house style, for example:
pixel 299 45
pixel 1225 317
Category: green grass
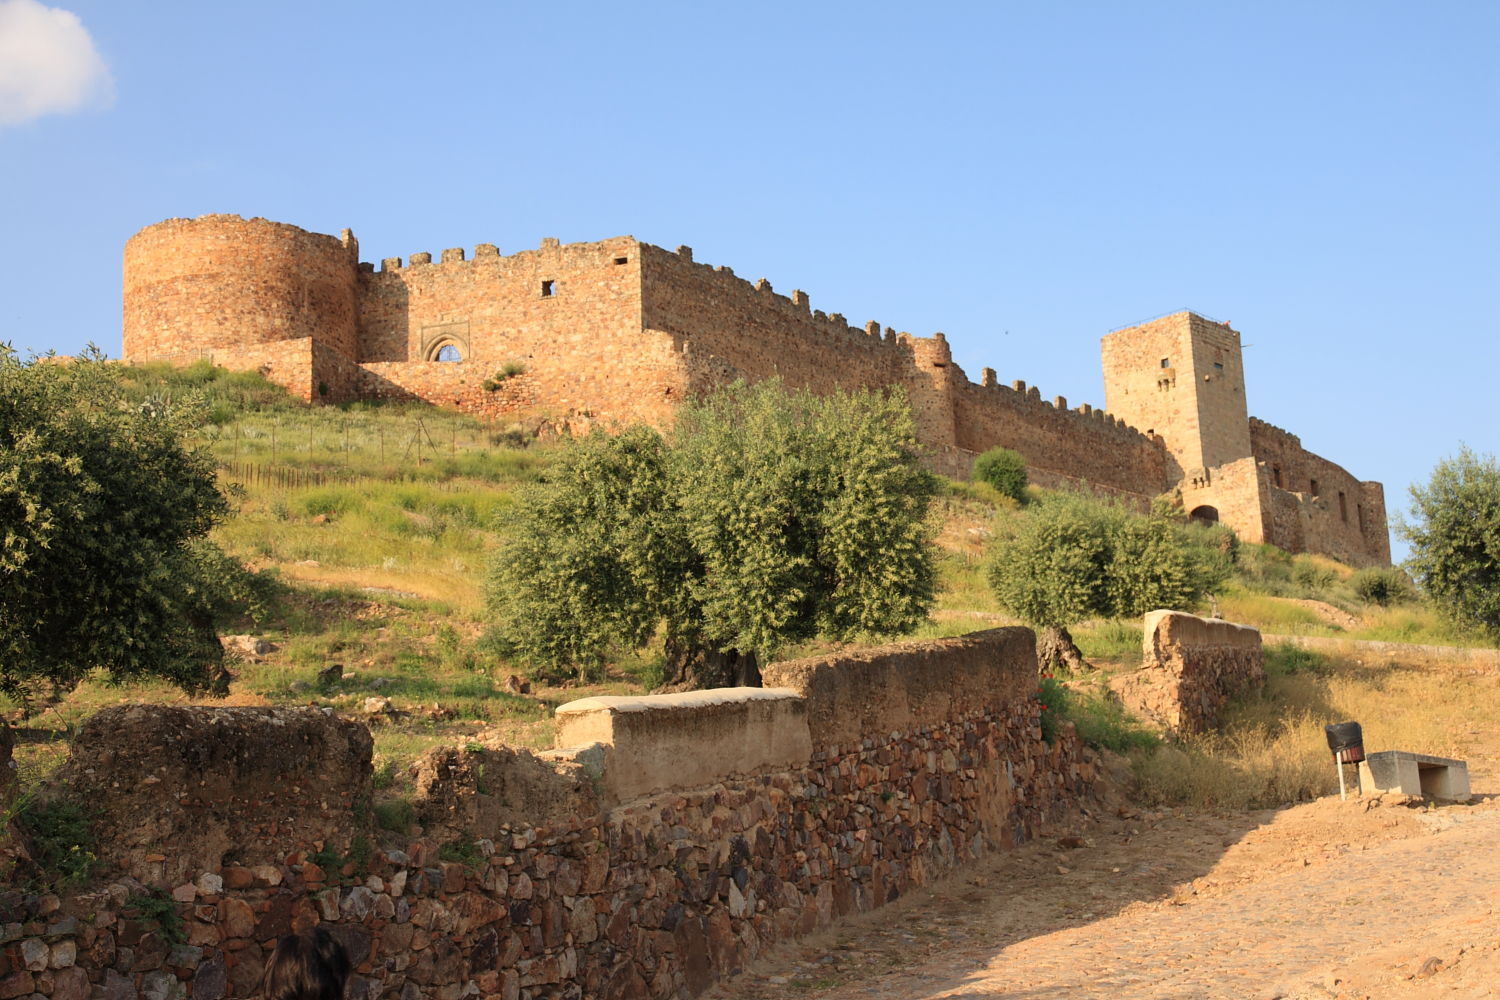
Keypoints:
pixel 1117 642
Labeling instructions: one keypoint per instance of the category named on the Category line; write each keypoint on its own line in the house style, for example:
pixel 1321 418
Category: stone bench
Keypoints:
pixel 1415 774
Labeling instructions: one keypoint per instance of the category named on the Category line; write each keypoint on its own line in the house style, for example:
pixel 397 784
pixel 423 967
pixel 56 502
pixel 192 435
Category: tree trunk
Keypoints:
pixel 1056 653
pixel 691 667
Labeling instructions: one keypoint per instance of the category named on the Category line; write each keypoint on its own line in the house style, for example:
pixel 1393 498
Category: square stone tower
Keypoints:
pixel 1181 377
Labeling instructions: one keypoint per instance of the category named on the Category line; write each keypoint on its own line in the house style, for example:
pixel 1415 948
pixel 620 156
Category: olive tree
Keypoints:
pixel 1454 531
pixel 765 517
pixel 1071 558
pixel 104 512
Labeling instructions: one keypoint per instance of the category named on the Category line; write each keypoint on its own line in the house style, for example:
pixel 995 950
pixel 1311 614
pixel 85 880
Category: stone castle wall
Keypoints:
pixel 1317 505
pixel 194 286
pixel 541 875
pixel 619 331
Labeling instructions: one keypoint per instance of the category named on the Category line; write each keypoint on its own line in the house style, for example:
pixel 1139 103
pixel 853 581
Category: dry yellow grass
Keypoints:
pixel 1272 751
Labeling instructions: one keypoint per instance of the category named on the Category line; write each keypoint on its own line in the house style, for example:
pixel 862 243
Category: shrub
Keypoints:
pixel 1003 469
pixel 1383 585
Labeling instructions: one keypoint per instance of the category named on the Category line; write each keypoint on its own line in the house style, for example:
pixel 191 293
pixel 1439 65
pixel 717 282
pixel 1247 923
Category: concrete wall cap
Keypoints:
pixel 678 701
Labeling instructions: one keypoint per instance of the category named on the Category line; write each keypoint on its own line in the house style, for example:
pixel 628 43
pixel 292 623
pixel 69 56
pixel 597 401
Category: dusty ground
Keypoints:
pixel 1372 898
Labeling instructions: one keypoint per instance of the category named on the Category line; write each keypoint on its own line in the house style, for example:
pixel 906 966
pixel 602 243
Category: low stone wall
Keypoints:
pixel 531 881
pixel 181 791
pixel 1191 667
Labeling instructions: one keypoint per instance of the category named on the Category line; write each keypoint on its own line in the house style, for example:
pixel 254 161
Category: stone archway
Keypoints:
pixel 1204 514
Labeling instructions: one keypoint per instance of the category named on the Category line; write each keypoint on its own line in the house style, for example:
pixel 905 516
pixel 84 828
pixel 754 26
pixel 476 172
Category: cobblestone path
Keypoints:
pixel 1284 914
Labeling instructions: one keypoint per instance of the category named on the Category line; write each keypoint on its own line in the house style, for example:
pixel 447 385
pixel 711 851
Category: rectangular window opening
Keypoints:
pixel 1166 362
pixel 622 260
pixel 1276 475
pixel 1218 366
pixel 549 288
pixel 1313 488
pixel 1343 507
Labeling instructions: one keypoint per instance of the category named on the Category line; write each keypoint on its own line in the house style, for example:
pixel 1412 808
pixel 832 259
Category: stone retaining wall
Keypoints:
pixel 531 882
pixel 1191 667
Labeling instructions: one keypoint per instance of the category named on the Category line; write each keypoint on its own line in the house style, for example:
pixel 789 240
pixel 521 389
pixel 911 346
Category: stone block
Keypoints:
pixel 1415 774
pixel 688 739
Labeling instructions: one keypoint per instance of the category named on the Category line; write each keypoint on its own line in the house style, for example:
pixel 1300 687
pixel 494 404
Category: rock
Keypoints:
pixel 516 684
pixel 247 645
pixel 116 987
pixel 356 906
pixel 210 884
pixel 35 954
pixel 378 706
pixel 237 877
pixel 16 984
pixel 331 674
pixel 267 874
pixel 211 980
pixel 63 955
pixel 71 983
pixel 1431 967
pixel 237 918
pixel 160 985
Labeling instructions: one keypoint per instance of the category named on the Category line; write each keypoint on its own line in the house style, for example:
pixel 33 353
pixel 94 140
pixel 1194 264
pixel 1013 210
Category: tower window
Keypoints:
pixel 1343 507
pixel 1218 366
pixel 448 352
pixel 1314 488
pixel 1166 362
pixel 549 288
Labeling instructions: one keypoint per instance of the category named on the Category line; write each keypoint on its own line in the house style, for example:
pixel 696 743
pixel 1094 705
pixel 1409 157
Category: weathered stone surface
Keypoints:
pixel 1191 667
pixel 254 784
pixel 657 897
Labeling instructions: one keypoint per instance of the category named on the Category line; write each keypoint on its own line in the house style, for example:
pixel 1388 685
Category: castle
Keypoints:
pixel 621 330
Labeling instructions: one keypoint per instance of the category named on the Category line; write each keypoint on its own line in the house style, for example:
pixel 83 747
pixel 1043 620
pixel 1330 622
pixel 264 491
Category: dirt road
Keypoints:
pixel 1324 900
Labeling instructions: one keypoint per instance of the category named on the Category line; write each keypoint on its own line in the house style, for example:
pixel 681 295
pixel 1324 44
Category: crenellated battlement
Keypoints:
pixel 618 330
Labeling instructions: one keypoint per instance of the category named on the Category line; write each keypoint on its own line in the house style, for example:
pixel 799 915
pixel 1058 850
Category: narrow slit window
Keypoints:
pixel 549 288
pixel 1313 488
pixel 622 260
pixel 1343 507
pixel 1276 475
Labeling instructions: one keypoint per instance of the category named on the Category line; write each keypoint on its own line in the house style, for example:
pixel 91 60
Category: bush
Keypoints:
pixel 1003 469
pixel 1383 585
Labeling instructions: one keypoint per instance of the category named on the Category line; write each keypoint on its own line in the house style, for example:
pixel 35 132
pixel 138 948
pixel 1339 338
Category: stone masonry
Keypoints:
pixel 620 331
pixel 538 875
pixel 1191 668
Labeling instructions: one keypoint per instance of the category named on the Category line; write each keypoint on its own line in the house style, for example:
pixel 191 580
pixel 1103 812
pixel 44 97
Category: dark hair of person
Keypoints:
pixel 306 967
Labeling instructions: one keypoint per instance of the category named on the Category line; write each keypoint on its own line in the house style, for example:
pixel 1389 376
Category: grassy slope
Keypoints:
pixel 382 521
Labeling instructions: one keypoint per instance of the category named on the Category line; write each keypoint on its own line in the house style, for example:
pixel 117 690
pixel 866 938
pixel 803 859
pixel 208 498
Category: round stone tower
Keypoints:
pixel 220 282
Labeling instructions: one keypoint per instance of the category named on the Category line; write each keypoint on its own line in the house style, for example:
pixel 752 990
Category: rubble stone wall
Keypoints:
pixel 1191 668
pixel 526 884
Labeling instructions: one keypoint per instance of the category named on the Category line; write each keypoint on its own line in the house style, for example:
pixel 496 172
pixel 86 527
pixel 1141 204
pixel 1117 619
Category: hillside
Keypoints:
pixel 377 524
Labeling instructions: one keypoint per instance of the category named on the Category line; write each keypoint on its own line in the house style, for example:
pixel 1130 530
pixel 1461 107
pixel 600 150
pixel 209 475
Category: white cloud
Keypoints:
pixel 48 63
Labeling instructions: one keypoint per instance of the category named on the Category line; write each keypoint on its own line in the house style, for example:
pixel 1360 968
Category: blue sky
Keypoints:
pixel 1023 177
